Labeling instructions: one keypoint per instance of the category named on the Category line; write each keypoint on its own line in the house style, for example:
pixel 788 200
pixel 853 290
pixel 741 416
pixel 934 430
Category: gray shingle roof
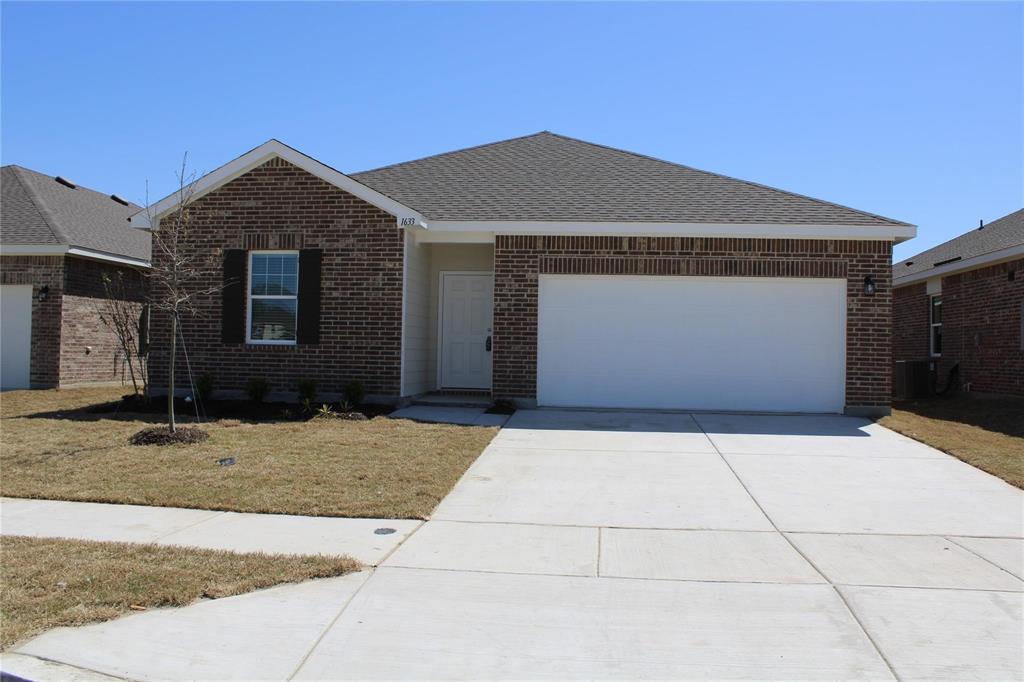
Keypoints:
pixel 38 210
pixel 549 177
pixel 1000 234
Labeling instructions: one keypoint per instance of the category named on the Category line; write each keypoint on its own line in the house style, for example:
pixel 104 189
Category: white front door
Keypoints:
pixel 466 306
pixel 15 335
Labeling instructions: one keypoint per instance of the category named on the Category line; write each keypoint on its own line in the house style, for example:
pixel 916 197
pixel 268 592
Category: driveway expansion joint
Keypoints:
pixel 836 590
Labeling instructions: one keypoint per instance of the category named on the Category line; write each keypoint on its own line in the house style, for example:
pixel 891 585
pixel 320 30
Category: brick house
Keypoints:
pixel 962 304
pixel 544 270
pixel 57 239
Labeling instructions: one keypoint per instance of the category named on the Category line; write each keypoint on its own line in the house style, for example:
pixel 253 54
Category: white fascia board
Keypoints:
pixel 974 263
pixel 896 233
pixel 108 257
pixel 65 250
pixel 404 215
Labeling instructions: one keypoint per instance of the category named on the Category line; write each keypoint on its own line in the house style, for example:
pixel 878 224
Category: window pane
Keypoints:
pixel 937 340
pixel 273 286
pixel 275 274
pixel 936 310
pixel 289 285
pixel 273 319
pixel 259 284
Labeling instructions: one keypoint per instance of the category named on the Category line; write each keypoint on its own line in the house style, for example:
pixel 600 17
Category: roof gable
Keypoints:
pixel 1004 236
pixel 260 155
pixel 38 210
pixel 553 178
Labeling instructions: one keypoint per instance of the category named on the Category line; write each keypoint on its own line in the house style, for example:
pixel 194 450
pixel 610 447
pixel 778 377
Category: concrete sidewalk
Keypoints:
pixel 590 545
pixel 362 539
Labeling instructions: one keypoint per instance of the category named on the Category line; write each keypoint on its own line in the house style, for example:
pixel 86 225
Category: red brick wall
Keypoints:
pixel 40 271
pixel 910 316
pixel 981 327
pixel 89 350
pixel 520 259
pixel 278 205
pixel 67 321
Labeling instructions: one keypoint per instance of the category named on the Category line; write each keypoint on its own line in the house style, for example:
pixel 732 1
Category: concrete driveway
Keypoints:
pixel 643 545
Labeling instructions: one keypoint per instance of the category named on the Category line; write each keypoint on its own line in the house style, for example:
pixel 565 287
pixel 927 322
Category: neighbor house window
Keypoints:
pixel 935 325
pixel 273 293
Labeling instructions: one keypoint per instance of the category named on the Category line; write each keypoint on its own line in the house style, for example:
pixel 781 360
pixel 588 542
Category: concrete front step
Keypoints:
pixel 454 400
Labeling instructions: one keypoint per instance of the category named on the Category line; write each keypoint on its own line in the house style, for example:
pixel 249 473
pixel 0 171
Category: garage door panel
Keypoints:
pixel 15 335
pixel 691 343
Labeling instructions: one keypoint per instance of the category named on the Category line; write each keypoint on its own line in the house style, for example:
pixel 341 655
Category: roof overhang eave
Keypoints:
pixel 894 233
pixel 973 263
pixel 65 250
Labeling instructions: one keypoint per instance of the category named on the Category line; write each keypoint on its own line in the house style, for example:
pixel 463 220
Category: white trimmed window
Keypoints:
pixel 273 297
pixel 935 326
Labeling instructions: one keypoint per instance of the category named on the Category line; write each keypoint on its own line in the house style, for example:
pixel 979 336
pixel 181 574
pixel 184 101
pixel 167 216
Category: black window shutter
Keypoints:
pixel 232 316
pixel 309 296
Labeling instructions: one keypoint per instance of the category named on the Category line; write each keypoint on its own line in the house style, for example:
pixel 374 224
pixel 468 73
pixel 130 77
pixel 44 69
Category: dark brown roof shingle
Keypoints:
pixel 549 177
pixel 38 210
pixel 1004 233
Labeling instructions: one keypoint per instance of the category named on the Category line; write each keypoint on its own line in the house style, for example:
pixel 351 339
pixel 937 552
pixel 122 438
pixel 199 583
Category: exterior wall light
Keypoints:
pixel 869 285
pixel 44 292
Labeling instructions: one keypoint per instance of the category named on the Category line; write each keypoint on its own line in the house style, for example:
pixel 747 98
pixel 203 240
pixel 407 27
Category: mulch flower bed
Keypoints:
pixel 161 435
pixel 246 410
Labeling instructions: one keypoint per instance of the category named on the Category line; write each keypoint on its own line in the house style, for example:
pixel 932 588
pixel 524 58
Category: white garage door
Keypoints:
pixel 704 343
pixel 15 335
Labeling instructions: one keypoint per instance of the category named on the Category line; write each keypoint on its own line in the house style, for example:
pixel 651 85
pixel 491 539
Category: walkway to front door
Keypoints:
pixel 465 330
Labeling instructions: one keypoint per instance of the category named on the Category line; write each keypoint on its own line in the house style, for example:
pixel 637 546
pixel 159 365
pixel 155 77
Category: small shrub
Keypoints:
pixel 204 387
pixel 307 391
pixel 257 389
pixel 161 435
pixel 354 393
pixel 325 412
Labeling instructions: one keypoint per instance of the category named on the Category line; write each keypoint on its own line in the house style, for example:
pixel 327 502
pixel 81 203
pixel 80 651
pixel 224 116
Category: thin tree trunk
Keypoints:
pixel 171 426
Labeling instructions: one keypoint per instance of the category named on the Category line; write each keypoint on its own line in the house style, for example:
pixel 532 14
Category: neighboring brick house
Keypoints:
pixel 961 304
pixel 56 241
pixel 544 270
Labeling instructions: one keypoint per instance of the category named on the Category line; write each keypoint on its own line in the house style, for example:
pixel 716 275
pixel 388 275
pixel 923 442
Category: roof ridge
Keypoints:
pixel 449 153
pixel 40 206
pixel 961 236
pixel 729 177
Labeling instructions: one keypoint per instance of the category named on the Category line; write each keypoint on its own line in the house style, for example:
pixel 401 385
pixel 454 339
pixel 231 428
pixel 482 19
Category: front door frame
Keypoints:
pixel 440 323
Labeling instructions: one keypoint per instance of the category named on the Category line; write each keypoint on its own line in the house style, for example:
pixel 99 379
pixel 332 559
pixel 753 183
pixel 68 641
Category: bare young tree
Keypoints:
pixel 123 314
pixel 179 275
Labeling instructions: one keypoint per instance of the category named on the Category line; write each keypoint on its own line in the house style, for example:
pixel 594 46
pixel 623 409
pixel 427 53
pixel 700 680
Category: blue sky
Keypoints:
pixel 913 110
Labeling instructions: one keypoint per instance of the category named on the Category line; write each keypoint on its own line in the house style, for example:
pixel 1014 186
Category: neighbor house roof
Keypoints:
pixel 549 177
pixel 1001 239
pixel 40 212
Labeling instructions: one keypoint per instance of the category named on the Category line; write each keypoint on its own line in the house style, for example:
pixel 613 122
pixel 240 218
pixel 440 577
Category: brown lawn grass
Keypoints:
pixel 387 468
pixel 96 581
pixel 984 432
